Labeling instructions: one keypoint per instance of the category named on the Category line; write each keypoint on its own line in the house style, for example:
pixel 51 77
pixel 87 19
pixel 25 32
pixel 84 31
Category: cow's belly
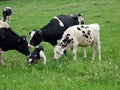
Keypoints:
pixel 85 42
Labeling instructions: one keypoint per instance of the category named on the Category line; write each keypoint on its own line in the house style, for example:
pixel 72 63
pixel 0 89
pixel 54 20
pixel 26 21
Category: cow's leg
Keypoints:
pixel 75 50
pixel 99 50
pixel 1 57
pixel 93 51
pixel 74 54
pixel 84 52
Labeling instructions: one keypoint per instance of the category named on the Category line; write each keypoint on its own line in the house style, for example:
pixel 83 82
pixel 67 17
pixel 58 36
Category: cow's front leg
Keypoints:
pixel 74 52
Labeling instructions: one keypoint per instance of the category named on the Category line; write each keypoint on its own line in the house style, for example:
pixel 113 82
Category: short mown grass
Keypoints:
pixel 65 74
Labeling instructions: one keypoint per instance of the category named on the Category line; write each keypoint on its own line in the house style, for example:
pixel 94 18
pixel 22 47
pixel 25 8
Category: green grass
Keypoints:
pixel 64 74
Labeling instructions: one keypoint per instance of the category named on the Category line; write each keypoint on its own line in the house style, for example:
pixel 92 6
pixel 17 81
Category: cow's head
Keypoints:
pixel 22 46
pixel 58 51
pixel 79 18
pixel 35 37
pixel 11 41
pixel 7 11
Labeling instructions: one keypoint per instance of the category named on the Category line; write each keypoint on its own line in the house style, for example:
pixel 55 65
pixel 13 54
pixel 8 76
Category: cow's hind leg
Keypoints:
pixel 74 51
pixel 93 51
pixel 99 50
pixel 1 57
pixel 85 53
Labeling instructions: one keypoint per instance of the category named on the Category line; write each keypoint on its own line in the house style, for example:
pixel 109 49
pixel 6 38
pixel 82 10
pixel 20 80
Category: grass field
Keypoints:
pixel 65 74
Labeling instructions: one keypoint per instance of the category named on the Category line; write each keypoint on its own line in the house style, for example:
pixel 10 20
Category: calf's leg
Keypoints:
pixel 93 51
pixel 99 50
pixel 85 52
pixel 74 51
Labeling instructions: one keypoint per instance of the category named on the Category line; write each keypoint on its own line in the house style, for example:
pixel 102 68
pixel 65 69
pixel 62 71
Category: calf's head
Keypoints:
pixel 36 55
pixel 58 51
pixel 35 37
pixel 62 45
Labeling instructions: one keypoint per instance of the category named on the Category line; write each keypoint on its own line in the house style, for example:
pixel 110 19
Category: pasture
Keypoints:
pixel 64 74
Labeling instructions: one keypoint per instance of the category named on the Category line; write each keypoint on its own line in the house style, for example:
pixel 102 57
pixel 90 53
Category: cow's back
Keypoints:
pixel 68 20
pixel 52 31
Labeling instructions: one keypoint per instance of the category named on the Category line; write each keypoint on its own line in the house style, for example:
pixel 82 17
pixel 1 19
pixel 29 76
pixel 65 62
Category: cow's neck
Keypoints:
pixel 41 33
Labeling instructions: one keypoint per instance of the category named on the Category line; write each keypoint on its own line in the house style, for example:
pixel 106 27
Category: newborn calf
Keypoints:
pixel 36 55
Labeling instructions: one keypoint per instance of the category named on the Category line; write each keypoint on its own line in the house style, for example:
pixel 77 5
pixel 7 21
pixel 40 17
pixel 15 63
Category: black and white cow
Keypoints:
pixel 79 35
pixel 9 40
pixel 36 55
pixel 54 30
pixel 7 11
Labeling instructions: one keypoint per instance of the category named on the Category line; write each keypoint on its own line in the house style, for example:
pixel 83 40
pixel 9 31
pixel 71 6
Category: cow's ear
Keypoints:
pixel 78 14
pixel 29 33
pixel 23 37
pixel 75 17
pixel 34 30
pixel 41 48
